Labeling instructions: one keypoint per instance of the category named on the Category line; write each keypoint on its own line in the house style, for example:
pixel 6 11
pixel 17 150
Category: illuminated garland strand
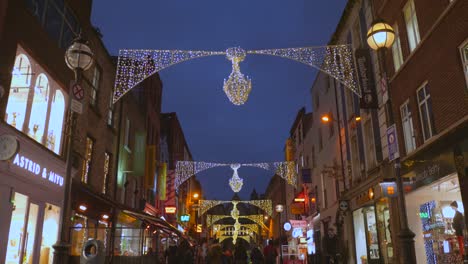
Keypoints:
pixel 186 169
pixel 134 66
pixel 257 219
pixel 265 205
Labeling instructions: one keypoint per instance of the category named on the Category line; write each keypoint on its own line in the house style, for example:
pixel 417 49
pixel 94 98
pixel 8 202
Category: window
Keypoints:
pixel 57 19
pixel 464 55
pixel 412 28
pixel 107 158
pixel 425 112
pixel 396 50
pixel 34 99
pixel 408 129
pixel 370 147
pixel 87 160
pixel 127 134
pixel 94 85
pixel 110 111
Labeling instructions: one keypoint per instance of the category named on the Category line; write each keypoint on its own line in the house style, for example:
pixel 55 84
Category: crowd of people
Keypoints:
pixel 221 253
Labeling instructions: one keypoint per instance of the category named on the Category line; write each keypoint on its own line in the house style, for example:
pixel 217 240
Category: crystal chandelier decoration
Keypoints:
pixel 237 87
pixel 264 205
pixel 234 211
pixel 236 182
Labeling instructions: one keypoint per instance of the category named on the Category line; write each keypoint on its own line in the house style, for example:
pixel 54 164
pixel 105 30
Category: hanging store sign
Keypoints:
pixel 389 189
pixel 298 223
pixel 366 79
pixel 199 228
pixel 37 169
pixel 170 210
pixel 185 218
pixel 392 141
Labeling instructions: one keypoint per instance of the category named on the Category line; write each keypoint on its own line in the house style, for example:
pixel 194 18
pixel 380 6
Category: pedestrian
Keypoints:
pixel 227 255
pixel 171 253
pixel 270 253
pixel 330 242
pixel 202 253
pixel 458 225
pixel 184 253
pixel 215 254
pixel 256 255
pixel 240 253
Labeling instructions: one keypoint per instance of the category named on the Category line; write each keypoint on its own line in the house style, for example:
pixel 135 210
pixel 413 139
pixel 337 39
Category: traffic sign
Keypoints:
pixel 78 91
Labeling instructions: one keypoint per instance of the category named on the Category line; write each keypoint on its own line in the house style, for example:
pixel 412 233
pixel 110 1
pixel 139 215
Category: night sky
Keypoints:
pixel 215 129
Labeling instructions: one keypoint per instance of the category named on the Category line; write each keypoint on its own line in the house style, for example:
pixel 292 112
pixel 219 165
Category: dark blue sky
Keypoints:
pixel 215 129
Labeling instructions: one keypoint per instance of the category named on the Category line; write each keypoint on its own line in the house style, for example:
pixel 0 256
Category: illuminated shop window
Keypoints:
pixel 36 103
pixel 50 231
pixel 87 159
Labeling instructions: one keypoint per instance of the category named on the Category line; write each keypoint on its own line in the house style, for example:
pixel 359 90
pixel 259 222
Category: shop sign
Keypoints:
pixel 199 228
pixel 366 79
pixel 392 141
pixel 37 169
pixel 297 232
pixel 185 218
pixel 297 208
pixel 298 223
pixel 389 189
pixel 170 210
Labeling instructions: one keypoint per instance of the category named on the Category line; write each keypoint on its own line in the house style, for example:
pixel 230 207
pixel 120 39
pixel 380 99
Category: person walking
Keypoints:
pixel 240 253
pixel 184 253
pixel 330 242
pixel 215 254
pixel 256 255
pixel 458 225
pixel 270 253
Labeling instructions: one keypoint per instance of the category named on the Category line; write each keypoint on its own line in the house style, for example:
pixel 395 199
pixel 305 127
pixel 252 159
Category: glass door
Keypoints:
pixel 22 233
pixel 371 234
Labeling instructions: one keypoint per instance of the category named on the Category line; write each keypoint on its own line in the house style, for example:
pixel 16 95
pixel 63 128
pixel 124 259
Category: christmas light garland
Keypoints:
pixel 265 205
pixel 186 169
pixel 135 65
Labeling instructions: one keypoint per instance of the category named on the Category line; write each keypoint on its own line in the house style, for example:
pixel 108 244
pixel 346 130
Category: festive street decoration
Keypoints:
pixel 135 65
pixel 257 219
pixel 235 182
pixel 206 205
pixel 186 169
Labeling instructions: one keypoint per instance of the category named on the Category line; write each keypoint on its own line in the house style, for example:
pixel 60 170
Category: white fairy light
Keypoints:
pixel 236 182
pixel 134 66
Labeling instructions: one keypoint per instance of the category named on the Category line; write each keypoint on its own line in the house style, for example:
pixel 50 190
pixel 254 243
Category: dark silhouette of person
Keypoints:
pixel 270 253
pixel 330 242
pixel 458 225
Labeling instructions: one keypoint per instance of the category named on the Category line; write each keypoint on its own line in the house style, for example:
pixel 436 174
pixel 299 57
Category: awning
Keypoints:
pixel 159 223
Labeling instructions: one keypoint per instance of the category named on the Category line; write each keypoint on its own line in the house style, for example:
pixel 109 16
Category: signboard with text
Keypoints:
pixel 392 141
pixel 366 79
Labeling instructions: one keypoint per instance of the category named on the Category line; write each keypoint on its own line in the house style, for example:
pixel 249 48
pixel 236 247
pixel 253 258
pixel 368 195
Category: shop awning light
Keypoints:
pixel 83 207
pixel 105 216
pixel 299 200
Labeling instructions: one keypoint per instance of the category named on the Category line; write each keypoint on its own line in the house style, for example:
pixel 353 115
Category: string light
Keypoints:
pixel 235 182
pixel 134 66
pixel 186 169
pixel 257 219
pixel 265 205
pixel 237 87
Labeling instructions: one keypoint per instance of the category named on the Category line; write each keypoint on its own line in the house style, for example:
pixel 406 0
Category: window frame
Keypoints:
pixel 397 53
pixel 413 21
pixel 464 60
pixel 407 116
pixel 425 102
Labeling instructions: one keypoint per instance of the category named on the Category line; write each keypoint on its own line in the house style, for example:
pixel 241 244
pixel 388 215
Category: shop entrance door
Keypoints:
pixel 372 238
pixel 22 233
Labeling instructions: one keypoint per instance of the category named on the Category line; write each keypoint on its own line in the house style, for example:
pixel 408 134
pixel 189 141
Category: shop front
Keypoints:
pixel 435 208
pixel 31 194
pixel 371 225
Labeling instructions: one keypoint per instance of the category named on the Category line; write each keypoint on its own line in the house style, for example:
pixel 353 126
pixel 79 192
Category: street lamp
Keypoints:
pixel 195 196
pixel 380 37
pixel 78 58
pixel 279 209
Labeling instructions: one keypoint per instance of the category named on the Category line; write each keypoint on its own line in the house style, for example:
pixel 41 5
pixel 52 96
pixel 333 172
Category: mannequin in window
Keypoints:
pixel 458 225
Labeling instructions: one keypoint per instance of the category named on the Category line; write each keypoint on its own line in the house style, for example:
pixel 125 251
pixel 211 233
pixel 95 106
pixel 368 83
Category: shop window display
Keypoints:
pixel 433 213
pixel 384 230
pixel 366 236
pixel 29 108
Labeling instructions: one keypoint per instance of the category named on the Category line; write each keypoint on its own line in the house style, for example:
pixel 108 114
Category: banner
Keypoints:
pixel 366 79
pixel 150 166
pixel 162 178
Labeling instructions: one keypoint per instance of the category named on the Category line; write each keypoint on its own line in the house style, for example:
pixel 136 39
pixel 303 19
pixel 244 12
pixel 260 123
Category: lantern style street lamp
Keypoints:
pixel 380 37
pixel 78 58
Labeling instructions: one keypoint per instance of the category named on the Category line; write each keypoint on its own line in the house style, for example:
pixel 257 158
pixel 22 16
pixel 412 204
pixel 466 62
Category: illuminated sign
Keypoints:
pixel 185 218
pixel 424 215
pixel 170 210
pixel 287 226
pixel 36 169
pixel 199 228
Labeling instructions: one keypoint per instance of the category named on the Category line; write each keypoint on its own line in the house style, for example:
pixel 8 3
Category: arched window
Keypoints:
pixel 19 90
pixel 57 113
pixel 39 108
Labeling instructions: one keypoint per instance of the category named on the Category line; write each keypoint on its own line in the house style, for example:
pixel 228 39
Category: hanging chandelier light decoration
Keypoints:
pixel 237 87
pixel 236 182
pixel 187 169
pixel 135 65
pixel 258 219
pixel 265 205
